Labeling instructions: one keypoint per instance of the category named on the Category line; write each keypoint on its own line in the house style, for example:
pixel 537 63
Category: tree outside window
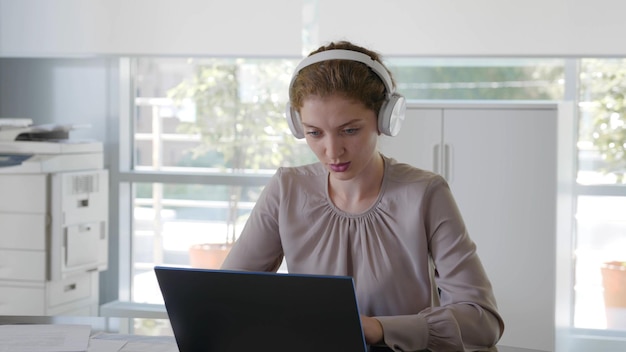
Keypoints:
pixel 604 82
pixel 239 115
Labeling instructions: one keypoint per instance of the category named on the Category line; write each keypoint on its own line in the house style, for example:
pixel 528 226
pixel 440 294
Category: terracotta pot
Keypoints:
pixel 208 255
pixel 614 282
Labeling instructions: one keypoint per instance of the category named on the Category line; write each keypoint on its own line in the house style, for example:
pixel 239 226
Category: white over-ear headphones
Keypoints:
pixel 391 113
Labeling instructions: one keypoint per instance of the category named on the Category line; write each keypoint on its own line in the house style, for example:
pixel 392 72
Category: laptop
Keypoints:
pixel 241 311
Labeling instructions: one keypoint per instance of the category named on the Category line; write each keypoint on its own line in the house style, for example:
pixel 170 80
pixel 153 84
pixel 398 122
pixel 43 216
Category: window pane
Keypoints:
pixel 214 115
pixel 479 78
pixel 172 222
pixel 602 128
pixel 601 223
pixel 601 238
pixel 202 115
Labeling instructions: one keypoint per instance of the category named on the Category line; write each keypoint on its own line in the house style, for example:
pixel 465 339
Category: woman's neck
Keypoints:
pixel 358 194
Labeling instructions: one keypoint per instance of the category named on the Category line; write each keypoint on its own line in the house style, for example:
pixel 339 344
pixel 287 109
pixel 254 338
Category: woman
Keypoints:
pixel 392 227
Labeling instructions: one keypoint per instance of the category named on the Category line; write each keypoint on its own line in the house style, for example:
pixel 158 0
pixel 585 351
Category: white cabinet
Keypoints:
pixel 53 241
pixel 500 160
pixel 77 293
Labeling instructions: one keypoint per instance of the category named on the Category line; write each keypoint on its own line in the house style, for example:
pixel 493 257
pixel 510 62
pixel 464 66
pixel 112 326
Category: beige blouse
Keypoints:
pixel 386 249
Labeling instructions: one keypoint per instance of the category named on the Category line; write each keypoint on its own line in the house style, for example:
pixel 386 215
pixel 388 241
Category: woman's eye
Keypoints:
pixel 350 130
pixel 313 133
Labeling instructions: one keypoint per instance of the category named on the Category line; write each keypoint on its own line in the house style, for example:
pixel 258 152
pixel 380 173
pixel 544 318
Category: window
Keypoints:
pixel 205 135
pixel 479 78
pixel 601 195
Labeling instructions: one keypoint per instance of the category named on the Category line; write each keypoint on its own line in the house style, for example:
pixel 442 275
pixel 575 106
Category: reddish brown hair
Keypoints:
pixel 351 79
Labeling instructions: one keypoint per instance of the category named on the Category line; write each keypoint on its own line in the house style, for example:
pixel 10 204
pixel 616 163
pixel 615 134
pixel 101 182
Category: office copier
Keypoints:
pixel 53 221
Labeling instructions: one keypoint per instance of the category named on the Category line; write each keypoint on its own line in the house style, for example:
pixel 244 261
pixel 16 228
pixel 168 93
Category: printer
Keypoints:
pixel 53 220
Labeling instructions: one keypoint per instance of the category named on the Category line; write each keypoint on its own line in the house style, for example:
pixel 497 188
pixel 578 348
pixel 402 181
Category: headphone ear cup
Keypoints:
pixel 391 115
pixel 293 120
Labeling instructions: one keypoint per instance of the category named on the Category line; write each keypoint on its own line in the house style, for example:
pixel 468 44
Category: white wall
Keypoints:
pixel 60 28
pixel 63 91
pixel 478 27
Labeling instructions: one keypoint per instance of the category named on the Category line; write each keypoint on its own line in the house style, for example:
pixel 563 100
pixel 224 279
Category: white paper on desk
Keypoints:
pixel 140 343
pixel 44 338
pixel 135 338
pixel 96 345
pixel 148 347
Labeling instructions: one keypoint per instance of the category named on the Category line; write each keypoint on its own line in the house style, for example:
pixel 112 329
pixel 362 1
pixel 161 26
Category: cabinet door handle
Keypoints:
pixel 447 162
pixel 436 159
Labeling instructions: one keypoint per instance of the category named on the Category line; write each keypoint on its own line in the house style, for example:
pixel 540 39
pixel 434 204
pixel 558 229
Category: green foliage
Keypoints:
pixel 242 121
pixel 479 82
pixel 606 82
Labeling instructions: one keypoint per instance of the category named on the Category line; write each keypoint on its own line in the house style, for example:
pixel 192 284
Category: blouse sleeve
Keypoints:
pixel 467 318
pixel 258 247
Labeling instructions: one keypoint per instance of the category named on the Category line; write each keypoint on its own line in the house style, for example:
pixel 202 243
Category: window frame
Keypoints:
pixel 123 176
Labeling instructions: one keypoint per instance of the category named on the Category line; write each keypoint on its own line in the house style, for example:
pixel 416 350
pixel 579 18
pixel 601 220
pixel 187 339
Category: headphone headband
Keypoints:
pixel 342 54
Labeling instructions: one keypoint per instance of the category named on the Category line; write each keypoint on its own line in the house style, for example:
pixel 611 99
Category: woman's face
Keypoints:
pixel 342 133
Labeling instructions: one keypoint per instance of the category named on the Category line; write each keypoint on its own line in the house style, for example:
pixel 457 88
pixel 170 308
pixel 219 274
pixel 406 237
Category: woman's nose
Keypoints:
pixel 334 147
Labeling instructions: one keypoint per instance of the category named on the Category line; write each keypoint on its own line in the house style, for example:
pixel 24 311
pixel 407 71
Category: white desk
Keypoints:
pixel 136 326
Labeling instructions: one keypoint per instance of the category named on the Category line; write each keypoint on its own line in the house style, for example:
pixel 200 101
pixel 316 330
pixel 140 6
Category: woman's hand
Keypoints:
pixel 372 329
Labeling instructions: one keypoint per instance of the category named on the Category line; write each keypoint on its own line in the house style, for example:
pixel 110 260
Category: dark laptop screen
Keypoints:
pixel 233 311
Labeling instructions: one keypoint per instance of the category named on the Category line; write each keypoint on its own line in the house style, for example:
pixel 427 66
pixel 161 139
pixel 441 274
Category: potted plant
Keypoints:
pixel 614 283
pixel 212 255
pixel 208 255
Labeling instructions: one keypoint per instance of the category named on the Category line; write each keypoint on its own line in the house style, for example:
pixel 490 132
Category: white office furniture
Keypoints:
pixel 53 227
pixel 500 160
